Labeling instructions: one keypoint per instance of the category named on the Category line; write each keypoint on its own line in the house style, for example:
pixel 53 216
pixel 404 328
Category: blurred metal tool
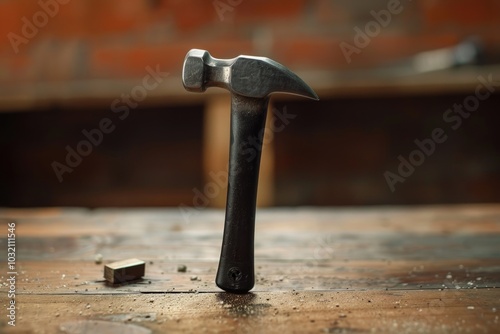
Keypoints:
pixel 468 52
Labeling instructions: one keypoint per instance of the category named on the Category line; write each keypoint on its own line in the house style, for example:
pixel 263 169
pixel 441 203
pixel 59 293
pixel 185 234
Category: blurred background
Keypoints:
pixel 93 112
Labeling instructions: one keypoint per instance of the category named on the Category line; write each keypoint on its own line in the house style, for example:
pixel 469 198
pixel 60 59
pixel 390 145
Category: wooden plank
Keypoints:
pixel 449 311
pixel 99 92
pixel 216 133
pixel 309 235
pixel 216 155
pixel 447 219
pixel 86 277
pixel 392 270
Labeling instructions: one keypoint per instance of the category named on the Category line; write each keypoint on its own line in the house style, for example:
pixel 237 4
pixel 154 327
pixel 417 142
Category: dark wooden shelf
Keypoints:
pixel 369 82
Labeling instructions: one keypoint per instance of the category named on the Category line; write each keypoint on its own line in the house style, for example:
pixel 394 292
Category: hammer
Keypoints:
pixel 250 80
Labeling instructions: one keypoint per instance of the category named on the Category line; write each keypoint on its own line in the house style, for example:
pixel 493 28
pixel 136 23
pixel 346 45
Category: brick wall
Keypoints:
pixel 115 39
pixel 155 156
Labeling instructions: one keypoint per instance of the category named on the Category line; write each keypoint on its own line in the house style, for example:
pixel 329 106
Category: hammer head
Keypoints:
pixel 248 76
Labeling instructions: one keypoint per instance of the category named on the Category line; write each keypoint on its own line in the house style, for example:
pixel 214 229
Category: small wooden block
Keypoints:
pixel 124 271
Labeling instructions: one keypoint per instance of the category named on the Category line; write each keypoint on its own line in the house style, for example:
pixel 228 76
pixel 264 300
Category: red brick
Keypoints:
pixel 461 13
pixel 187 15
pixel 126 36
pixel 69 21
pixel 121 61
pixel 72 21
pixel 260 10
pixel 224 46
pixel 330 13
pixel 116 16
pixel 308 51
pixel 11 14
pixel 130 61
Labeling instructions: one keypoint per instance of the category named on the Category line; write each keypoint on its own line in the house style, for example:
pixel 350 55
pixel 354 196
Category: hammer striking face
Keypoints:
pixel 250 80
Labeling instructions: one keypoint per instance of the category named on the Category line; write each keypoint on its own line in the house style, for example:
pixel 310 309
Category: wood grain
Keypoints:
pixel 343 270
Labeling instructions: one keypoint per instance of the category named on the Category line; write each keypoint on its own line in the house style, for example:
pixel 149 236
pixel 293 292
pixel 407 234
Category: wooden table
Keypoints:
pixel 339 270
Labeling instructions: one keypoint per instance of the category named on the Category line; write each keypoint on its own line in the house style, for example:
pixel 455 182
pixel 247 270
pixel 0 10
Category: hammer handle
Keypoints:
pixel 236 265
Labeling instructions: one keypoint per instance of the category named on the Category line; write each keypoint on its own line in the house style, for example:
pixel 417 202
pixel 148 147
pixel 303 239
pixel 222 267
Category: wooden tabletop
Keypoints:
pixel 333 270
